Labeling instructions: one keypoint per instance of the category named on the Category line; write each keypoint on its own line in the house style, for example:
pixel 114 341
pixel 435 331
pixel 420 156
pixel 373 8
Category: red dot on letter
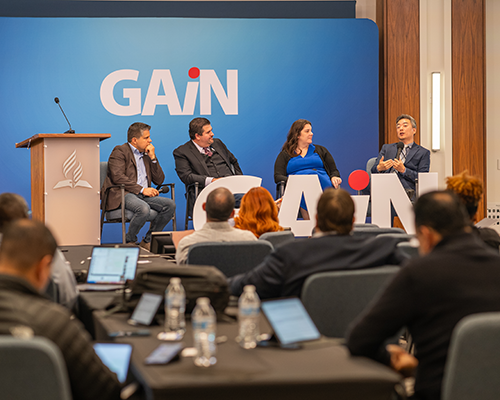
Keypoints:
pixel 194 73
pixel 359 179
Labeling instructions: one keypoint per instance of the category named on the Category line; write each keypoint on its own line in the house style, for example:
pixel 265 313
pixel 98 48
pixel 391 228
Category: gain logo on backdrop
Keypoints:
pixel 162 79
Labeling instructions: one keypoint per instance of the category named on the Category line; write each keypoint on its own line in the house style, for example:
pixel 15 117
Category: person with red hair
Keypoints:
pixel 258 212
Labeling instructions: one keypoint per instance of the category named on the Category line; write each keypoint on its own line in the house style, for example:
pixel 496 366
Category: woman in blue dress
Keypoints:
pixel 300 157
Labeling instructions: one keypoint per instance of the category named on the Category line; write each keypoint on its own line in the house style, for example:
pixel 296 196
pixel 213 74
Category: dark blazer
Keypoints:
pixel 429 296
pixel 283 272
pixel 283 158
pixel 122 169
pixel 190 164
pixel 417 160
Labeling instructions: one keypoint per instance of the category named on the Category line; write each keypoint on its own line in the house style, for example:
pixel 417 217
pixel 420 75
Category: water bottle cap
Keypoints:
pixel 249 288
pixel 202 300
pixel 175 280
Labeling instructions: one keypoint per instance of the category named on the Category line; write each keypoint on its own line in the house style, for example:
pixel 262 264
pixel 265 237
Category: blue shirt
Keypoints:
pixel 142 176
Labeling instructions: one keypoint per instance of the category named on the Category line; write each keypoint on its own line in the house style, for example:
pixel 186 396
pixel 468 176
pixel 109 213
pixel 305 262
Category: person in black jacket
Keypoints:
pixel 300 157
pixel 456 276
pixel 25 256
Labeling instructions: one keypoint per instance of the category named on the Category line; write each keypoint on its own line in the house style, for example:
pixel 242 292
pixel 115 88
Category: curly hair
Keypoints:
pixel 258 212
pixel 292 139
pixel 468 188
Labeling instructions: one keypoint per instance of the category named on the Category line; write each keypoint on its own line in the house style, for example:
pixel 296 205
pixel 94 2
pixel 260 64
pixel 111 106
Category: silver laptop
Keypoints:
pixel 110 268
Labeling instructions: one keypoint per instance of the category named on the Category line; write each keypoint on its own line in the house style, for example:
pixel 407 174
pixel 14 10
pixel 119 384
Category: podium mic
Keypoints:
pixel 69 130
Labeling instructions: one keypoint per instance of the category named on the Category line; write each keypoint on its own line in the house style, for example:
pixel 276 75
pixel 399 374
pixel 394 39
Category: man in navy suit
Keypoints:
pixel 413 158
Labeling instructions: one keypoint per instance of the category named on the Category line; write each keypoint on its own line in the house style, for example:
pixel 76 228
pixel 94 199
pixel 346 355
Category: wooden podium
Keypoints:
pixel 65 184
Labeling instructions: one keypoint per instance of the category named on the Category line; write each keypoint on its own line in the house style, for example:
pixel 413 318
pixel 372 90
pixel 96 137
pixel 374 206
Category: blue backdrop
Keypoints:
pixel 323 70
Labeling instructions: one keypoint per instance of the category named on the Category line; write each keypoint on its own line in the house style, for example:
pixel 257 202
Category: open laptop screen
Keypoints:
pixel 290 321
pixel 113 264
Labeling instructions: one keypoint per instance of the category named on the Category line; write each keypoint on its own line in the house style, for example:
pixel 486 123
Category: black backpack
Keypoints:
pixel 198 281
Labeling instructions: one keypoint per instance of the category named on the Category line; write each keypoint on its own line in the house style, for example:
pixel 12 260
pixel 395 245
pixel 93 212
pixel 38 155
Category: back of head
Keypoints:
pixel 335 211
pixel 25 243
pixel 292 138
pixel 136 130
pixel 258 212
pixel 468 188
pixel 12 207
pixel 219 205
pixel 196 126
pixel 442 211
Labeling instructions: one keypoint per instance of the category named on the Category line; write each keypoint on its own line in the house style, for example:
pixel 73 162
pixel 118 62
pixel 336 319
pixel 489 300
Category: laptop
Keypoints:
pixel 116 356
pixel 290 322
pixel 110 268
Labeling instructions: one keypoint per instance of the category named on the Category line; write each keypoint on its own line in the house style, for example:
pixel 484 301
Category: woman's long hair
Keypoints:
pixel 258 212
pixel 469 188
pixel 292 139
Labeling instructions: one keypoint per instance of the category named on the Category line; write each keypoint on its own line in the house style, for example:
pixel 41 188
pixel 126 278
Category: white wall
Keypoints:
pixel 435 56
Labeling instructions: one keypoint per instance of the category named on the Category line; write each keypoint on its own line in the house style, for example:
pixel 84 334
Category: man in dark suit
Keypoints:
pixel 204 159
pixel 456 276
pixel 332 247
pixel 135 165
pixel 412 160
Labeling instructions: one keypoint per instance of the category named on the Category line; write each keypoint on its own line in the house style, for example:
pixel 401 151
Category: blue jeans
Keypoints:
pixel 141 206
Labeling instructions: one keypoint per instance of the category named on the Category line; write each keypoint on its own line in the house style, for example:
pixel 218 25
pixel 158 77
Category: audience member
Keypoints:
pixel 470 190
pixel 332 247
pixel 219 208
pixel 135 165
pixel 457 275
pixel 24 312
pixel 258 212
pixel 14 207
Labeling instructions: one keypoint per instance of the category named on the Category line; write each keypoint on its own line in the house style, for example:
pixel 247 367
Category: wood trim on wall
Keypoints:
pixel 399 44
pixel 468 90
pixel 399 36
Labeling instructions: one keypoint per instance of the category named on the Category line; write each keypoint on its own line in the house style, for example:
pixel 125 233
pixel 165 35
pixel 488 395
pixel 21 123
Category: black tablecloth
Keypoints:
pixel 320 370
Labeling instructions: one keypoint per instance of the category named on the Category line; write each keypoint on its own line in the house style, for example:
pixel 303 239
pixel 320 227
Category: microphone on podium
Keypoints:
pixel 400 147
pixel 69 130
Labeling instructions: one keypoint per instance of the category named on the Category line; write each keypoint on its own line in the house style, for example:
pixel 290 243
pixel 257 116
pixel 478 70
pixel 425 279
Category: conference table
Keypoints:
pixel 321 369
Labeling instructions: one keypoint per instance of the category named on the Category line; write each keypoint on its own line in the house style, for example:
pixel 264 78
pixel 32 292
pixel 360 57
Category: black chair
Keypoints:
pixel 122 215
pixel 192 192
pixel 277 238
pixel 334 299
pixel 473 363
pixel 231 258
pixel 32 369
pixel 280 189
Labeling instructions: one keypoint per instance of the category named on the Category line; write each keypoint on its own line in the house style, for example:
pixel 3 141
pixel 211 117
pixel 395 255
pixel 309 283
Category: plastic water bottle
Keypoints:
pixel 204 329
pixel 175 307
pixel 248 317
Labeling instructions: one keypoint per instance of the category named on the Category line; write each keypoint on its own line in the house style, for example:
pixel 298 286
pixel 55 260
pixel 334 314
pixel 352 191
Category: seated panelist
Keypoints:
pixel 204 159
pixel 135 165
pixel 300 157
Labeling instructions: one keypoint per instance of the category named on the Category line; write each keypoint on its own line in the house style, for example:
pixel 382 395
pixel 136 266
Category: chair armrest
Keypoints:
pixel 280 189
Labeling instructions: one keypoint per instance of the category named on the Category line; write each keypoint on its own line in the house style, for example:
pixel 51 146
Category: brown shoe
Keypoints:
pixel 145 246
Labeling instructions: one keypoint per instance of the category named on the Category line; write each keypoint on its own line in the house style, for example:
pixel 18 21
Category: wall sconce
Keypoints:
pixel 436 111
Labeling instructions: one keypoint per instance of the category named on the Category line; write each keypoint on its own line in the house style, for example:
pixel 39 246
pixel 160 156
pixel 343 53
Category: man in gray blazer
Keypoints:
pixel 135 165
pixel 412 159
